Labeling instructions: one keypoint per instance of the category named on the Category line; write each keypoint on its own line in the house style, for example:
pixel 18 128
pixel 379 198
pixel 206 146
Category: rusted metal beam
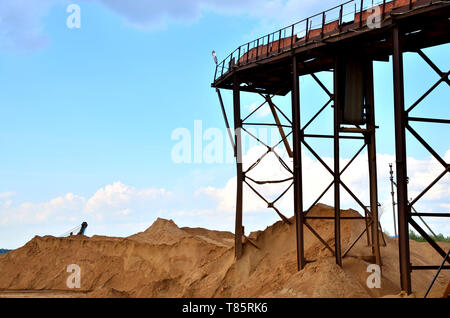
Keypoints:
pixel 285 219
pixel 332 182
pixel 240 176
pixel 297 169
pixel 337 175
pixel 225 118
pixel 284 192
pixel 382 234
pixel 276 107
pixel 439 215
pixel 430 186
pixel 332 217
pixel 334 176
pixel 332 136
pixel 257 162
pixel 264 124
pixel 372 158
pixel 427 146
pixel 429 239
pixel 413 210
pixel 319 237
pixel 318 81
pixel 354 243
pixel 269 204
pixel 443 78
pixel 428 267
pixel 254 111
pixel 318 113
pixel 272 149
pixel 430 120
pixel 432 65
pixel 280 128
pixel 400 152
pixel 361 14
pixel 247 239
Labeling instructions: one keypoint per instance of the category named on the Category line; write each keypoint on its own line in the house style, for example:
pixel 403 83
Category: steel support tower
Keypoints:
pixel 330 41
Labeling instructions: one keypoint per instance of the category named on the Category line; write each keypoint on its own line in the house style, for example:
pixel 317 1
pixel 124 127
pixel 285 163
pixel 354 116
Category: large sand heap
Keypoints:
pixel 168 261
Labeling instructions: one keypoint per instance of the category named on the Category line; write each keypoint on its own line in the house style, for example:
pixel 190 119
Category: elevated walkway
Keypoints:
pixel 264 64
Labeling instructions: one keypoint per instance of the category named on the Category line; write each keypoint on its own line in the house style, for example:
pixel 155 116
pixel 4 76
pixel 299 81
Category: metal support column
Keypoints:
pixel 372 154
pixel 337 174
pixel 240 175
pixel 297 172
pixel 400 152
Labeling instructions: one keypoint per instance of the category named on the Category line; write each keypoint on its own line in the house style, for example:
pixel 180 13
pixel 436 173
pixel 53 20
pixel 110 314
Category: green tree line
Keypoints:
pixel 438 238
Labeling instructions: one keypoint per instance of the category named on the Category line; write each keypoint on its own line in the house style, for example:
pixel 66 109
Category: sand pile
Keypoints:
pixel 168 261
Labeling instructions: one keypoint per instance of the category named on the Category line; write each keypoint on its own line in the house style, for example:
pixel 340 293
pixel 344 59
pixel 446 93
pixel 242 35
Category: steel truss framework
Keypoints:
pixel 243 176
pixel 365 134
pixel 402 124
pixel 410 31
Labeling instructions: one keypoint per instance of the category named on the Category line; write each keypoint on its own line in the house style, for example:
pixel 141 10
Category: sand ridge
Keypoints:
pixel 169 261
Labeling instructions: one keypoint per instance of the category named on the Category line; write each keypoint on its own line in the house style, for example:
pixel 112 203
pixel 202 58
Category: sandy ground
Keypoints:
pixel 168 261
pixel 40 294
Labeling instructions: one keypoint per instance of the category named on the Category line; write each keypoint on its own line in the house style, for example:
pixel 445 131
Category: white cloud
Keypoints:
pixel 112 200
pixel 316 179
pixel 264 111
pixel 28 212
pixel 6 195
pixel 117 197
pixel 125 212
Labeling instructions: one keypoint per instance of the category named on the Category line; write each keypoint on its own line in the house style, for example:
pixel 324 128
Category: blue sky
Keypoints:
pixel 87 115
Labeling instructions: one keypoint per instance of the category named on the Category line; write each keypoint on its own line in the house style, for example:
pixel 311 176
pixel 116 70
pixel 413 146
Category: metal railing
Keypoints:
pixel 300 33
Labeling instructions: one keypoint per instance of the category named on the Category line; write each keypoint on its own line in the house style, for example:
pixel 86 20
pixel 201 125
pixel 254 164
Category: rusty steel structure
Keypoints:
pixel 344 40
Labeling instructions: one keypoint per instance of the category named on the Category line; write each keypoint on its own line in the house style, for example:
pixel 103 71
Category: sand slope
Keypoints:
pixel 168 261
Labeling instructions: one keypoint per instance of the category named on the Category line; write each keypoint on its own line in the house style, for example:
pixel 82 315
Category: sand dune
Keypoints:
pixel 168 261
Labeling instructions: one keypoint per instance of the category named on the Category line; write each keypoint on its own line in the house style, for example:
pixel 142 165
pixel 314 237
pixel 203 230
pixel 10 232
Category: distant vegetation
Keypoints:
pixel 439 238
pixel 3 251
